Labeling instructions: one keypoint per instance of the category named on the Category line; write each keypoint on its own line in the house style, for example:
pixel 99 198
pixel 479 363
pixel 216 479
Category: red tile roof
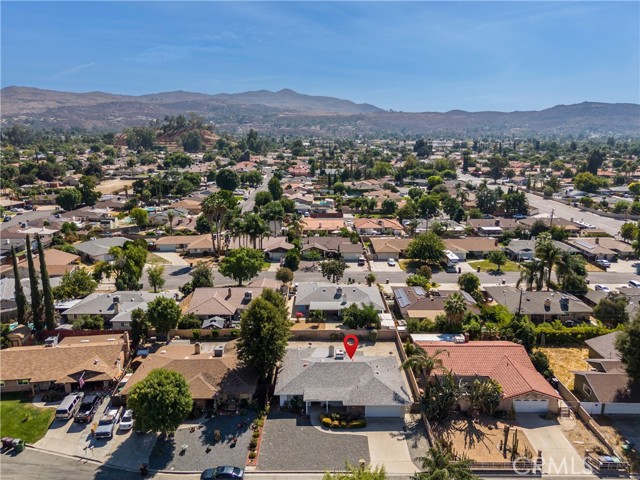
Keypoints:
pixel 506 362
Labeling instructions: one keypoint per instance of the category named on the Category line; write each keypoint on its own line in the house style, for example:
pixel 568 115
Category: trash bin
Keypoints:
pixel 18 445
pixel 7 442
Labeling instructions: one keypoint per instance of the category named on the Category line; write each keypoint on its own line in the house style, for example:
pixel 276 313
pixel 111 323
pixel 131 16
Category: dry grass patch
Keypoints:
pixel 579 435
pixel 563 361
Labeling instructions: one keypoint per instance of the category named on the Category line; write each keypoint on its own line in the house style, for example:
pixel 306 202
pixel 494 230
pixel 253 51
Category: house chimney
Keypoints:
pixel 339 291
pixel 248 295
pixel 229 293
pixel 497 222
pixel 116 305
pixel 466 337
pixel 197 348
pixel 597 240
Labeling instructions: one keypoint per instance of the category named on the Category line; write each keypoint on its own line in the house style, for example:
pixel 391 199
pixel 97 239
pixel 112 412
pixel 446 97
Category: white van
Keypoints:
pixel 69 406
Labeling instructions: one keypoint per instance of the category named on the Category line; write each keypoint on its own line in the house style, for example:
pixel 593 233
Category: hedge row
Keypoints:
pixel 558 335
pixel 329 423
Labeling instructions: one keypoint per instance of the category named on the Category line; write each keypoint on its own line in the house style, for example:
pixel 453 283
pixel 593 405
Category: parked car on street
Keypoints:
pixel 222 472
pixel 108 422
pixel 519 216
pixel 603 288
pixel 634 283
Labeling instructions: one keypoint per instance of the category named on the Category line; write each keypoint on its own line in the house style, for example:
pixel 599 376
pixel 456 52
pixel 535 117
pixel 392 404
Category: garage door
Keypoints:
pixel 385 412
pixel 531 406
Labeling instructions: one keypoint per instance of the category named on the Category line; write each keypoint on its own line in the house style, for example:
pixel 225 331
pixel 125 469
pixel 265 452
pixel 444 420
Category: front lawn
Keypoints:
pixel 487 266
pixel 20 419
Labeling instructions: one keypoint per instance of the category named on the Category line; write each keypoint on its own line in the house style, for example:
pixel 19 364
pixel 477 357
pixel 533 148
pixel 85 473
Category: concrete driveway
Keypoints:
pixel 388 445
pixel 173 258
pixel 559 456
pixel 383 266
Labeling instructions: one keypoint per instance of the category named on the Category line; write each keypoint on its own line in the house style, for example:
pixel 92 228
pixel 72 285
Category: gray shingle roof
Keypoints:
pixel 605 345
pixel 102 304
pixel 367 380
pixel 332 299
pixel 533 303
pixel 100 246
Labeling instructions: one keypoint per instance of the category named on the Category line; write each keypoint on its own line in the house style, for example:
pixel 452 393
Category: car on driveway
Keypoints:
pixel 634 283
pixel 126 423
pixel 222 472
pixel 603 288
pixel 603 263
pixel 88 408
pixel 391 262
pixel 108 422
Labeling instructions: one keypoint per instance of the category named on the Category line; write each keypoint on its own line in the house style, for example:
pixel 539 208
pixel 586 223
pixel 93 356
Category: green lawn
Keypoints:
pixel 487 266
pixel 20 419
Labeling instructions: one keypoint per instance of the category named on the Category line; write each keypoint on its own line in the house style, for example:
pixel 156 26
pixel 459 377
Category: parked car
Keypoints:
pixel 108 422
pixel 391 262
pixel 634 283
pixel 88 408
pixel 519 216
pixel 339 354
pixel 126 423
pixel 69 406
pixel 603 288
pixel 225 471
pixel 603 263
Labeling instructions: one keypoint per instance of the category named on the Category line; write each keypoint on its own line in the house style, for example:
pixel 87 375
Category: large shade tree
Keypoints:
pixel 242 264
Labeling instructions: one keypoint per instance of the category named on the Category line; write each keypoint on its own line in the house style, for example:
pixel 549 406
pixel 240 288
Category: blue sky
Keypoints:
pixel 418 56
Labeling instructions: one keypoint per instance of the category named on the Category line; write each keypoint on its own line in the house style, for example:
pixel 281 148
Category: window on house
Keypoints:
pixel 586 389
pixel 24 381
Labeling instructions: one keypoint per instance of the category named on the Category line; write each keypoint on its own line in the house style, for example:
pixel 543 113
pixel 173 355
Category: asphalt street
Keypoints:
pixel 247 205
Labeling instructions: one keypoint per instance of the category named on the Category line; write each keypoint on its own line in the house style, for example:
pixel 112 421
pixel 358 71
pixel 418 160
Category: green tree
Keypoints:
pixel 469 282
pixel 629 348
pixel 160 402
pixel 264 332
pixel 498 258
pixel 541 363
pixel 427 247
pixel 612 310
pixel 156 279
pixel 227 180
pixel 356 317
pixel 263 198
pixel 370 279
pixel 440 465
pixel 203 225
pixel 628 231
pixel 47 294
pixel 140 326
pixel 242 264
pixel 214 208
pixel 140 216
pixel 163 314
pixel 89 322
pixel 548 253
pixel 421 361
pixel 333 270
pixel 361 472
pixel 36 304
pixel 292 259
pixel 128 263
pixel 69 198
pixel 284 275
pixel 21 299
pixel 275 189
pixel 497 165
pixel 87 190
pixel 587 182
pixel 191 141
pixel 389 206
pixel 455 307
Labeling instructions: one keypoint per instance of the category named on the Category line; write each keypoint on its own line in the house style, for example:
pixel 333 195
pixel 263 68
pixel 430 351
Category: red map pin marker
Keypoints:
pixel 350 345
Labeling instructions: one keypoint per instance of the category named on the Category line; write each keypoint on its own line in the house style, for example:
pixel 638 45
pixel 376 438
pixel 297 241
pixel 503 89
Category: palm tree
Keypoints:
pixel 531 273
pixel 548 253
pixel 421 360
pixel 441 465
pixel 455 307
pixel 170 216
pixel 255 227
pixel 214 208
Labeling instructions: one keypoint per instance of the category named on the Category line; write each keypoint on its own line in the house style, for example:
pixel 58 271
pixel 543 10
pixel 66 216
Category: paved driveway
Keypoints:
pixel 388 445
pixel 560 458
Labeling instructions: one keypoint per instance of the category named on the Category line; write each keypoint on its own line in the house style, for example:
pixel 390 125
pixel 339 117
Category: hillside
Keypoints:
pixel 289 112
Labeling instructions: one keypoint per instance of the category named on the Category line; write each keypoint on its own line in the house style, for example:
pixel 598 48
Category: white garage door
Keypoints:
pixel 385 412
pixel 531 406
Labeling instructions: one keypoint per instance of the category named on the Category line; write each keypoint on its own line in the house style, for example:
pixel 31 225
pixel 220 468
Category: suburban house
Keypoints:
pixel 541 306
pixel 606 388
pixel 181 243
pixel 322 224
pixel 333 247
pixel 58 263
pixel 372 386
pixel 114 307
pixel 523 388
pixel 388 247
pixel 377 226
pixel 416 302
pixel 602 248
pixel 492 227
pixel 474 247
pixel 520 250
pixel 213 373
pixel 99 360
pixel 332 298
pixel 223 302
pixel 570 227
pixel 193 207
pixel 98 249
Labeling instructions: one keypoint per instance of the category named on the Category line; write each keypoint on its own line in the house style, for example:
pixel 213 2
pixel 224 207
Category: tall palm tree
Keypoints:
pixel 548 253
pixel 441 465
pixel 170 216
pixel 455 307
pixel 422 361
pixel 255 228
pixel 214 208
pixel 531 273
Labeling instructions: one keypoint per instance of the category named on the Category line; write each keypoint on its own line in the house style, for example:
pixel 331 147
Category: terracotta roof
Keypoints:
pixel 322 223
pixel 471 244
pixel 375 223
pixel 506 362
pixel 390 245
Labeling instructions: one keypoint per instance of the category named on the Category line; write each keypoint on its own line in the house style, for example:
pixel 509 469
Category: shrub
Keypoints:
pixel 326 422
pixel 253 444
pixel 215 334
pixel 252 455
pixel 255 434
pixel 335 424
pixel 234 333
pixel 557 334
pixel 343 424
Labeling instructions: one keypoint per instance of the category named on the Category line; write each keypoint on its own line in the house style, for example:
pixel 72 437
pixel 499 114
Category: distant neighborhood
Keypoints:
pixel 173 297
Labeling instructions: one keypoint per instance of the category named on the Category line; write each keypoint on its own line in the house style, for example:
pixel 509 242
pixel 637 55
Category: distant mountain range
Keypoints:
pixel 291 113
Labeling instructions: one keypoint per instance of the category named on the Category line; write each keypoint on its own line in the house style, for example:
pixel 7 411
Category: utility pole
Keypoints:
pixel 520 304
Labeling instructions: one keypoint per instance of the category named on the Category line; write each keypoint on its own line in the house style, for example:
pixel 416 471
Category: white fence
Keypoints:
pixel 594 408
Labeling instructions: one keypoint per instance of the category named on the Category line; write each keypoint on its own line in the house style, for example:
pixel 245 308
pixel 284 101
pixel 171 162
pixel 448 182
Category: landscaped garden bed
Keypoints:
pixel 342 420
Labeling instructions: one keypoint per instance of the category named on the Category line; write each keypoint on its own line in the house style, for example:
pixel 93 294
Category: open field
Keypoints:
pixel 565 360
pixel 20 419
pixel 114 186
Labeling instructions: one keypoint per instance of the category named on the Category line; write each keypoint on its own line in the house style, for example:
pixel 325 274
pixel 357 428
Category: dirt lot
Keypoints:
pixel 565 360
pixel 579 435
pixel 478 439
pixel 619 428
pixel 114 186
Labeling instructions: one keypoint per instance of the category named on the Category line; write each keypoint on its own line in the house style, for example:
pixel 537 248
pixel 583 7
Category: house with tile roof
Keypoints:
pixel 377 226
pixel 508 363
pixel 322 225
pixel 369 385
pixel 213 372
pixel 99 359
